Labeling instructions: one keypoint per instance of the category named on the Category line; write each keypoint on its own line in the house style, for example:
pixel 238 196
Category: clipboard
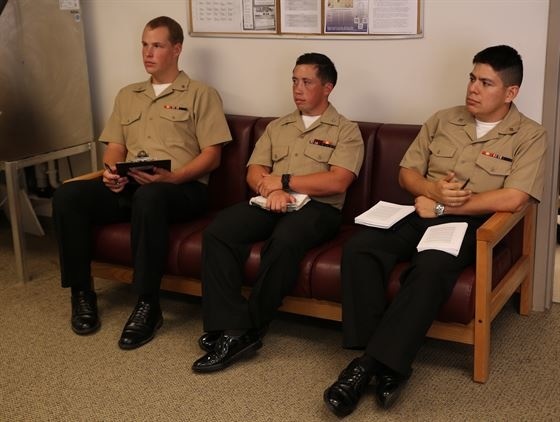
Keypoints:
pixel 145 165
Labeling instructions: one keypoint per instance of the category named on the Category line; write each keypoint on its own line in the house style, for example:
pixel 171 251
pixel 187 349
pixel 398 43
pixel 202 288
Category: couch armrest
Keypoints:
pixel 88 176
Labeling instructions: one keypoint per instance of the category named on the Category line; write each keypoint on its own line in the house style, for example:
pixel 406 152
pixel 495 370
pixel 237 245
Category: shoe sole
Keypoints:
pixel 143 342
pixel 86 331
pixel 246 352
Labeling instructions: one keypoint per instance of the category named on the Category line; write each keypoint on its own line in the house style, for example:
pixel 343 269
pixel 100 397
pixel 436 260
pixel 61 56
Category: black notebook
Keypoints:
pixel 145 165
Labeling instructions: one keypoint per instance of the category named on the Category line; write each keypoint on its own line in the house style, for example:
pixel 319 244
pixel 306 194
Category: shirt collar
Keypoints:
pixel 181 83
pixel 330 117
pixel 509 125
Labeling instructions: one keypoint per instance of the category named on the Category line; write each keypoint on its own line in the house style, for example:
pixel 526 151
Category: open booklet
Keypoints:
pixel 384 214
pixel 447 237
pixel 301 200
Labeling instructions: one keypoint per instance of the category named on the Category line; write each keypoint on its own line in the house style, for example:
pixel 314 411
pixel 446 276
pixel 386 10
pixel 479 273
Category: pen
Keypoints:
pixel 465 184
pixel 108 167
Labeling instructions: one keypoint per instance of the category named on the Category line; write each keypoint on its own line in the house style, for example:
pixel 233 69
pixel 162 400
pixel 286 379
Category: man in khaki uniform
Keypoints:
pixel 313 151
pixel 466 163
pixel 167 117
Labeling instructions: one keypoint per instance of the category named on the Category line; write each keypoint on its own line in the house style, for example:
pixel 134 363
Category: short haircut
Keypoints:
pixel 326 71
pixel 505 60
pixel 175 30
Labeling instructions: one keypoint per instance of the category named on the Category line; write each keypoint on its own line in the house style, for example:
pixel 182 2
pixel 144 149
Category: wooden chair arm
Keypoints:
pixel 88 176
pixel 500 224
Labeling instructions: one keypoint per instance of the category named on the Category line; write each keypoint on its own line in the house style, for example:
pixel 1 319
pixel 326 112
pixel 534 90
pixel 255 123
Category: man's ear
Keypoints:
pixel 511 93
pixel 177 48
pixel 327 88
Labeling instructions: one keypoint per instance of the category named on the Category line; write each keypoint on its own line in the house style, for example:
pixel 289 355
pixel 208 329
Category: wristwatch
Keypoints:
pixel 286 182
pixel 439 209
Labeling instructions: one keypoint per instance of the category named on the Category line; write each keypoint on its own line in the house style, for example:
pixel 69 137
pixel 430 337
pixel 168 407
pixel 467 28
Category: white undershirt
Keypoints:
pixel 309 120
pixel 482 128
pixel 159 88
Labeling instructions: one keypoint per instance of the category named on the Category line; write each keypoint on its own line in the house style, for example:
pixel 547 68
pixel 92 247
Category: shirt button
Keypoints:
pixel 296 154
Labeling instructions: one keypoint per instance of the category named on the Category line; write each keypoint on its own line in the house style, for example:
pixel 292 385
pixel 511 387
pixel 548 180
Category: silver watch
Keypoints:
pixel 439 209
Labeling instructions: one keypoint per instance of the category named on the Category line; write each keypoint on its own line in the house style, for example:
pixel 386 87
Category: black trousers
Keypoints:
pixel 225 249
pixel 79 206
pixel 392 334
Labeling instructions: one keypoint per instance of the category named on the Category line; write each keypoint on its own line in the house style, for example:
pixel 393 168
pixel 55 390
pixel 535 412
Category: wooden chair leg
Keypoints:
pixel 481 351
pixel 526 296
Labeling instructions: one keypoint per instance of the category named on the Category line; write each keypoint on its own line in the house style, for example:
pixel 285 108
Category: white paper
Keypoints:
pixel 69 4
pixel 216 16
pixel 393 16
pixel 346 16
pixel 301 16
pixel 384 214
pixel 446 237
pixel 301 200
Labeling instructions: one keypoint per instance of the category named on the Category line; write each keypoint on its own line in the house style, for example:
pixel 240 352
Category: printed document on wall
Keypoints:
pixel 300 16
pixel 393 16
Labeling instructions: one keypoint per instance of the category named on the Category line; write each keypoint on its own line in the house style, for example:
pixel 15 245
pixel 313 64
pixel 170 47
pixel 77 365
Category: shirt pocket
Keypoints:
pixel 442 157
pixel 130 124
pixel 130 119
pixel 319 153
pixel 174 115
pixel 494 166
pixel 279 153
pixel 176 128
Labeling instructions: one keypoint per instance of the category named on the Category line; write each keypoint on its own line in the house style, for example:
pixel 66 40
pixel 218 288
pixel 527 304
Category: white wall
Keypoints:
pixel 398 81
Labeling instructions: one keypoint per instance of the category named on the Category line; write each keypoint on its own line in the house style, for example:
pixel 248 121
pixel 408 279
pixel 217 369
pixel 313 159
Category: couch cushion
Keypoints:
pixel 391 143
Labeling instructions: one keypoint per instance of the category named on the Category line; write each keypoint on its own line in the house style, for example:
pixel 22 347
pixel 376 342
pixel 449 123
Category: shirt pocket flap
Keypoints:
pixel 174 115
pixel 494 165
pixel 279 152
pixel 130 118
pixel 320 153
pixel 442 150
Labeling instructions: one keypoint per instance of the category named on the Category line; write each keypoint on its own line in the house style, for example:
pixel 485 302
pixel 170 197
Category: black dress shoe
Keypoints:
pixel 84 313
pixel 388 388
pixel 343 396
pixel 141 326
pixel 228 349
pixel 207 341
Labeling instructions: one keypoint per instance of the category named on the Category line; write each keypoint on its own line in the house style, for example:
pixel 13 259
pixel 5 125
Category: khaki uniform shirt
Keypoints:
pixel 511 155
pixel 332 140
pixel 180 122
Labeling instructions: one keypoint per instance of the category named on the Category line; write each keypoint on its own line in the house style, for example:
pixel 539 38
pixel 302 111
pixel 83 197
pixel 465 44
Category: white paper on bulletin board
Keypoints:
pixel 365 19
pixel 393 16
pixel 234 16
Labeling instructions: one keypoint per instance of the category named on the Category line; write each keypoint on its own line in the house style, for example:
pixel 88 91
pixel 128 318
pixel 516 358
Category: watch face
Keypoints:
pixel 439 209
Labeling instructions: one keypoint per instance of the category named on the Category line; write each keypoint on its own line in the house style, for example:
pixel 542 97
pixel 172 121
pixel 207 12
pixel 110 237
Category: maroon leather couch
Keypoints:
pixel 318 289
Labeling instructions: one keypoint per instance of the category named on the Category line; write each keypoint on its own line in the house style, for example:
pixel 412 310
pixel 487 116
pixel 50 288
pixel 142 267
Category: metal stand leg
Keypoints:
pixel 12 184
pixel 14 205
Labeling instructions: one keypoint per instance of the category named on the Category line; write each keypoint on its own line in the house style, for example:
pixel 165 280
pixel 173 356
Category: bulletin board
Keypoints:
pixel 362 19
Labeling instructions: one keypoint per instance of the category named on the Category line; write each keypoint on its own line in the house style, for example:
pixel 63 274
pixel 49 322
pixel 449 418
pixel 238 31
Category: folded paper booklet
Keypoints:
pixel 446 237
pixel 384 214
pixel 301 200
pixel 142 165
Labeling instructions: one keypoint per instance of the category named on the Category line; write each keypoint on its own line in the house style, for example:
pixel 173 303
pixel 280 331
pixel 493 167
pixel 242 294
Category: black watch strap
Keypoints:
pixel 286 182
